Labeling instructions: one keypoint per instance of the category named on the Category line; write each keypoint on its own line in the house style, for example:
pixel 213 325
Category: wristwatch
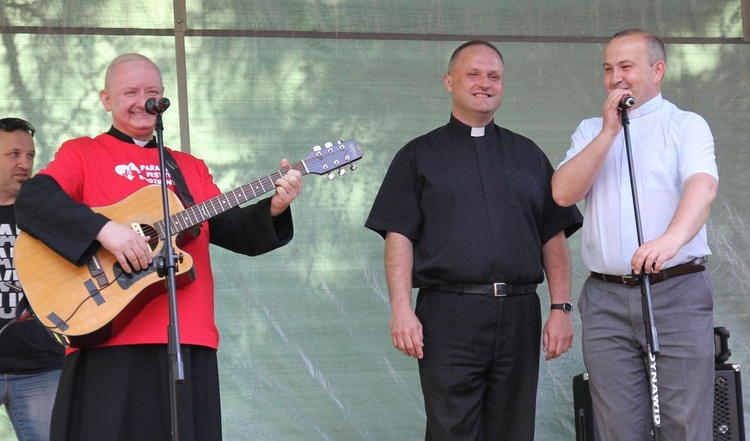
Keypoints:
pixel 566 307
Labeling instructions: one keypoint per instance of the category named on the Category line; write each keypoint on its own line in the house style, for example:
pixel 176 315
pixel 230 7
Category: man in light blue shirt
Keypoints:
pixel 677 182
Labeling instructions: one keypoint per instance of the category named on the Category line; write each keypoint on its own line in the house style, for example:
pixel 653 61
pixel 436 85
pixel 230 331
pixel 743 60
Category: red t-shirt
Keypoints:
pixel 104 170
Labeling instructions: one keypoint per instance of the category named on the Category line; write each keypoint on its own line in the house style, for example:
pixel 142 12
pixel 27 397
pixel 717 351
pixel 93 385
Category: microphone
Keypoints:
pixel 626 102
pixel 156 107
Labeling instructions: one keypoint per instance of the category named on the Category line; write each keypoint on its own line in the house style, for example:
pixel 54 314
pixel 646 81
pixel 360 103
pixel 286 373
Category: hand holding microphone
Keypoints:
pixel 156 107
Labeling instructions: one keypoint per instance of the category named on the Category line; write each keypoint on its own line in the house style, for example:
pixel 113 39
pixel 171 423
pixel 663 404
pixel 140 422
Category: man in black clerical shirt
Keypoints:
pixel 468 218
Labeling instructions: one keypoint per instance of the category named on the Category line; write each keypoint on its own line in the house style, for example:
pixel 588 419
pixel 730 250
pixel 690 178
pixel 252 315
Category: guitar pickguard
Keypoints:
pixel 126 280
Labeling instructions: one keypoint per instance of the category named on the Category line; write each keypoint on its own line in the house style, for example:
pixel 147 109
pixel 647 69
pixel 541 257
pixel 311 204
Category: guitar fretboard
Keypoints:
pixel 198 213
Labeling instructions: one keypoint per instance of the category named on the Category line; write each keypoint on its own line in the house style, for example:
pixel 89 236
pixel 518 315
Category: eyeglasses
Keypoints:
pixel 13 124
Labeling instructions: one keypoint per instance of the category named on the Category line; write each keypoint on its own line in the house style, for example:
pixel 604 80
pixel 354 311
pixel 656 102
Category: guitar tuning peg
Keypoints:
pixel 317 149
pixel 342 171
pixel 353 167
pixel 331 175
pixel 339 142
pixel 328 145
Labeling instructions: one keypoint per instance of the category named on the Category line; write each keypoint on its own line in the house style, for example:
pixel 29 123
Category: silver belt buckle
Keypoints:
pixel 498 294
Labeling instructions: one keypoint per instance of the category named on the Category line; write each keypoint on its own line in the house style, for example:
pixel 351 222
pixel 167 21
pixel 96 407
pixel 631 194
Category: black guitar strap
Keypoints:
pixel 179 180
pixel 183 194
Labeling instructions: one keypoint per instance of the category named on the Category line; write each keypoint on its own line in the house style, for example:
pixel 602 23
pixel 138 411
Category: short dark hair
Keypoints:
pixel 13 124
pixel 656 50
pixel 473 43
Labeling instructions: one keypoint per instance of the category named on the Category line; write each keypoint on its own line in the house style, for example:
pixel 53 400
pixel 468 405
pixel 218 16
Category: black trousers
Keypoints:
pixel 480 368
pixel 122 393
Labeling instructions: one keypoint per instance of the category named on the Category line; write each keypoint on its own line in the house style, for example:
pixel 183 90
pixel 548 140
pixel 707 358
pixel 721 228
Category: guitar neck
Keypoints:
pixel 199 213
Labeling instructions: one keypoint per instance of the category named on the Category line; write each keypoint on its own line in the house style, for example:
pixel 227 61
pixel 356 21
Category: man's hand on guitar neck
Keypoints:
pixel 131 249
pixel 287 188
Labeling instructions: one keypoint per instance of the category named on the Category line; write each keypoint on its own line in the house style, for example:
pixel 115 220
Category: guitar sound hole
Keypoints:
pixel 149 231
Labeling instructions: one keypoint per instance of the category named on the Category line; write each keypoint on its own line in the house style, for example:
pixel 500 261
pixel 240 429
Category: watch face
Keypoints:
pixel 567 307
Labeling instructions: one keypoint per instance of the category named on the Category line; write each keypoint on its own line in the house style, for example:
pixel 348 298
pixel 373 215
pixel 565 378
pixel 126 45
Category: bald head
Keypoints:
pixel 131 80
pixel 121 61
pixel 655 47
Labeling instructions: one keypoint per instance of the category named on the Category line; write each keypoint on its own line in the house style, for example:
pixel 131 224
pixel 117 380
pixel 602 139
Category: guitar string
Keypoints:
pixel 215 204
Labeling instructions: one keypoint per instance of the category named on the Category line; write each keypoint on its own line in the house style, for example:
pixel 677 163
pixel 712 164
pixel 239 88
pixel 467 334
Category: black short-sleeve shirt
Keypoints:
pixel 25 346
pixel 478 209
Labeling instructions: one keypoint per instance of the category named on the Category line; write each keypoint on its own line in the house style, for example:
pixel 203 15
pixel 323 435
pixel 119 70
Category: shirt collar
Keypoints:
pixel 647 107
pixel 466 130
pixel 125 138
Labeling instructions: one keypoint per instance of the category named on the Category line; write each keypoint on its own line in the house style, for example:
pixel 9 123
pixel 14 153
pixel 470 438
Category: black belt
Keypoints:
pixel 495 290
pixel 694 266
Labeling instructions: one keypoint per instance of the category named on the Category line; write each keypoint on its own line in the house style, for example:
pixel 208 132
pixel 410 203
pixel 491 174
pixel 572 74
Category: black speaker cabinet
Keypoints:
pixel 729 420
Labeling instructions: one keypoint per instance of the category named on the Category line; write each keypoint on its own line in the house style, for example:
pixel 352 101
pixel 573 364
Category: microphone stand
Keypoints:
pixel 652 339
pixel 166 266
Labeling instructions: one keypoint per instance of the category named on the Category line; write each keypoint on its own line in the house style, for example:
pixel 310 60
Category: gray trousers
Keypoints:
pixel 616 356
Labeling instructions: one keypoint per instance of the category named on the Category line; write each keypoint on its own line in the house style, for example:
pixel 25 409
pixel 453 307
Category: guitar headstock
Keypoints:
pixel 331 157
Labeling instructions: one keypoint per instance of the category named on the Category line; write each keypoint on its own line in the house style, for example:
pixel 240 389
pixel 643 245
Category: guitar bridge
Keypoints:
pixel 97 272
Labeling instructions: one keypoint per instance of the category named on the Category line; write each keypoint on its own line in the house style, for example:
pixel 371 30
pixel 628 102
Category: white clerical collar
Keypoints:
pixel 477 132
pixel 647 107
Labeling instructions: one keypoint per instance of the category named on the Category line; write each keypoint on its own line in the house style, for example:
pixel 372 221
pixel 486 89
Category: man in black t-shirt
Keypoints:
pixel 30 359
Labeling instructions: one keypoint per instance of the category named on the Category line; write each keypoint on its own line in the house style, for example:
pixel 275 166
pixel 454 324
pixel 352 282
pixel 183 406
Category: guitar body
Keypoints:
pixel 89 303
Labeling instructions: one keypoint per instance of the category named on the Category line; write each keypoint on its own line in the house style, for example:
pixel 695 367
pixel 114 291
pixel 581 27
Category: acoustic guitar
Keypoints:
pixel 85 305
